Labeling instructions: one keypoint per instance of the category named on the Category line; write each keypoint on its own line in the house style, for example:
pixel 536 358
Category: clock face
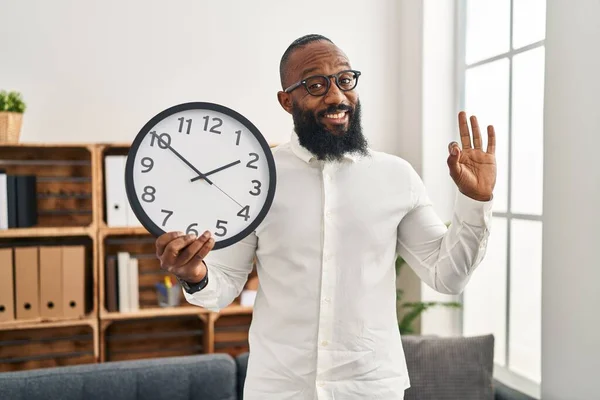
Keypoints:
pixel 197 167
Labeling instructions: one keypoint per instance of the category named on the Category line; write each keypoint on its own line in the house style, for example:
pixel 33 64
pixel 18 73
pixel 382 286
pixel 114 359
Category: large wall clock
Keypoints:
pixel 200 166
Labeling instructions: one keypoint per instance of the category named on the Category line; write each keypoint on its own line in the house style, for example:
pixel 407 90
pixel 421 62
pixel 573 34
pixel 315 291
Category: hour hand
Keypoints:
pixel 168 145
pixel 215 170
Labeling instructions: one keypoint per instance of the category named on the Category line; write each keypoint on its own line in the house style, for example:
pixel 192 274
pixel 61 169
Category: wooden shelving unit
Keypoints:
pixel 78 170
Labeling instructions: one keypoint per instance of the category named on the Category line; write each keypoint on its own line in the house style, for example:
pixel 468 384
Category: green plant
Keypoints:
pixel 415 309
pixel 12 102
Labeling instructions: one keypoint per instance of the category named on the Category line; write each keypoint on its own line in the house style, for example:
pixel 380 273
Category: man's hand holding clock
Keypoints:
pixel 182 254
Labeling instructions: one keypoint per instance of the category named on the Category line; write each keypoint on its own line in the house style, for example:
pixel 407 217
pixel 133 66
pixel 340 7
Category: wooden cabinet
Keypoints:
pixel 71 211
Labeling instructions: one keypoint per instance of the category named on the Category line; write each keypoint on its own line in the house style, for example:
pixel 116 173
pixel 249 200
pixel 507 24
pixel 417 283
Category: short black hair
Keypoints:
pixel 296 44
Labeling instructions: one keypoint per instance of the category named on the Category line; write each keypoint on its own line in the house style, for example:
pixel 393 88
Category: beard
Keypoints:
pixel 323 143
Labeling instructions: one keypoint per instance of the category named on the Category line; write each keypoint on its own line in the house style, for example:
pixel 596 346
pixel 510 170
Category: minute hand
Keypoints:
pixel 215 170
pixel 165 143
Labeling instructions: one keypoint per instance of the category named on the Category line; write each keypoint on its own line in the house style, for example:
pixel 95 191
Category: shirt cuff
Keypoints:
pixel 473 212
pixel 207 297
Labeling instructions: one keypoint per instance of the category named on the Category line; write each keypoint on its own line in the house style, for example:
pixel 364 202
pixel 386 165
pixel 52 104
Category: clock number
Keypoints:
pixel 255 159
pixel 149 194
pixel 213 129
pixel 190 229
pixel 221 225
pixel 149 164
pixel 239 135
pixel 257 185
pixel 244 213
pixel 169 213
pixel 164 140
pixel 189 124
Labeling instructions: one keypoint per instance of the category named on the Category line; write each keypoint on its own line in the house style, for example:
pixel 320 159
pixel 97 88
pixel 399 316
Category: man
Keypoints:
pixel 324 323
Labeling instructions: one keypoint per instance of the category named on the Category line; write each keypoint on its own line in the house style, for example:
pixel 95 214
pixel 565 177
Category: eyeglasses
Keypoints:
pixel 318 85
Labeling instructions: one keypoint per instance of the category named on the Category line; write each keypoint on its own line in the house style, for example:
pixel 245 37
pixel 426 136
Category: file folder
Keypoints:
pixel 73 281
pixel 26 283
pixel 51 286
pixel 7 302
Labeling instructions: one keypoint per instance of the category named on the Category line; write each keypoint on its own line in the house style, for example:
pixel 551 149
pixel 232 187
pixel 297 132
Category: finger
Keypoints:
pixel 208 246
pixel 164 239
pixel 463 127
pixel 186 255
pixel 453 165
pixel 189 268
pixel 172 250
pixel 476 132
pixel 491 146
pixel 453 148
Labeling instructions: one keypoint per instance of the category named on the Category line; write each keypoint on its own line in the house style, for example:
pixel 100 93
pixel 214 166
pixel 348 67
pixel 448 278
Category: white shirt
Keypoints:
pixel 324 323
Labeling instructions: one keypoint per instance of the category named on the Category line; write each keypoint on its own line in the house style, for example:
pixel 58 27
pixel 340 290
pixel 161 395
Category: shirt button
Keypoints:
pixel 328 214
pixel 320 384
pixel 326 300
pixel 324 343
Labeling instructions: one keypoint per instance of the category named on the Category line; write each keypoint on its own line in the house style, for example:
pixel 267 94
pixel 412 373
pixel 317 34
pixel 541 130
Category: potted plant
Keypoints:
pixel 12 108
pixel 412 310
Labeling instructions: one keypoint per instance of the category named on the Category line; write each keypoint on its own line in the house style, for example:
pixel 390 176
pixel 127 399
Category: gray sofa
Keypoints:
pixel 453 368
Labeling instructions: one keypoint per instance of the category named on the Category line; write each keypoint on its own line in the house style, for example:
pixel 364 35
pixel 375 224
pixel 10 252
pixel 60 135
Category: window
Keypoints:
pixel 501 80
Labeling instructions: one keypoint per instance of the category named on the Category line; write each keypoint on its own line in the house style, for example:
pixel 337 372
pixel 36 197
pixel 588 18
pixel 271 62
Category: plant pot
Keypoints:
pixel 10 126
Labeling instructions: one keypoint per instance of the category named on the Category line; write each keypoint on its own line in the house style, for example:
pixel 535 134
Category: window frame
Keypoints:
pixel 501 372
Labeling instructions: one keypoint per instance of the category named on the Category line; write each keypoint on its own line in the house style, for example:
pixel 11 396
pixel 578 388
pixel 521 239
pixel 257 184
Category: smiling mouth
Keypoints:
pixel 336 117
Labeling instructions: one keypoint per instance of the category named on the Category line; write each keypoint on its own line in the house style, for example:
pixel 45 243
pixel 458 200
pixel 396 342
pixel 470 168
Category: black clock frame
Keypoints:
pixel 138 210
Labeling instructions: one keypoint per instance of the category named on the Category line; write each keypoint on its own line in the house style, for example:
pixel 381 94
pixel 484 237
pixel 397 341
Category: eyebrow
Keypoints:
pixel 341 63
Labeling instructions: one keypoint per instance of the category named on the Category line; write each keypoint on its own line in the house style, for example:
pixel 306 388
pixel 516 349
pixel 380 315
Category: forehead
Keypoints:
pixel 320 57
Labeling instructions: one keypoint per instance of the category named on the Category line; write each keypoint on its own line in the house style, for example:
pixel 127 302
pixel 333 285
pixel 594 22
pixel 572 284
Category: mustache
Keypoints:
pixel 335 109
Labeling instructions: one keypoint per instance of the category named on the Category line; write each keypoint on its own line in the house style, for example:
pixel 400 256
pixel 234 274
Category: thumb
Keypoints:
pixel 453 158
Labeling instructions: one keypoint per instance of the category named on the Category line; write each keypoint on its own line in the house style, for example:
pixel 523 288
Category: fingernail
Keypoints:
pixel 454 151
pixel 179 233
pixel 191 236
pixel 206 234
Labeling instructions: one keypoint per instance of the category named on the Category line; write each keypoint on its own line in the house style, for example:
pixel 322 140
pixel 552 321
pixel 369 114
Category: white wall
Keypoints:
pixel 570 291
pixel 440 127
pixel 97 71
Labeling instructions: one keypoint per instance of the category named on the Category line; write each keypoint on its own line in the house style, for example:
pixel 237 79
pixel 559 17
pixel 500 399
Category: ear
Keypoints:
pixel 285 99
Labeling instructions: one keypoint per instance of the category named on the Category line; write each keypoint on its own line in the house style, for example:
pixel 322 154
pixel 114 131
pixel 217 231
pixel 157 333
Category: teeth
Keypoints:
pixel 336 116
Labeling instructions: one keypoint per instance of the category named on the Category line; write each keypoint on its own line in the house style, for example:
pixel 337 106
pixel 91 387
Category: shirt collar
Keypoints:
pixel 305 155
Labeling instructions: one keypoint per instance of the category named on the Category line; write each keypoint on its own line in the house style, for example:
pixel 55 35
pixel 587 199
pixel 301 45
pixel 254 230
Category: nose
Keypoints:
pixel 334 95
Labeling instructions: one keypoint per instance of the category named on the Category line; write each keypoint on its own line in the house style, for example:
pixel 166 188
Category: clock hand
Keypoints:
pixel 200 174
pixel 165 143
pixel 215 170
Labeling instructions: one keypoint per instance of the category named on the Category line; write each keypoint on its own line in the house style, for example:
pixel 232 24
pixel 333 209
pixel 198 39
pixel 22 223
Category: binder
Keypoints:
pixel 123 281
pixel 26 194
pixel 110 285
pixel 11 187
pixel 26 283
pixel 73 281
pixel 134 284
pixel 51 286
pixel 116 197
pixel 3 200
pixel 7 302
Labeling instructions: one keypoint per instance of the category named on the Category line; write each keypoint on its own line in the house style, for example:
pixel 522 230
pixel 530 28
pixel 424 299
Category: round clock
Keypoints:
pixel 200 166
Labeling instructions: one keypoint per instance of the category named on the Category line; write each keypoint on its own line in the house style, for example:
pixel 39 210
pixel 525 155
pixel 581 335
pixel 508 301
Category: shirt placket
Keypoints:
pixel 328 279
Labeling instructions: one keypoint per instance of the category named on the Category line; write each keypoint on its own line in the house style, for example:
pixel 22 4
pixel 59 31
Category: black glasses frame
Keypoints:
pixel 327 79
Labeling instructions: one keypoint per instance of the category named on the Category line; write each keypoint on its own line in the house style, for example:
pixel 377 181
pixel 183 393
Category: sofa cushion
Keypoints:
pixel 451 368
pixel 199 377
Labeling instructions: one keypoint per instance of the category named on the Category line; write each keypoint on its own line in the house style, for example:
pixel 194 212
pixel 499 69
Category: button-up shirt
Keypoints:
pixel 324 321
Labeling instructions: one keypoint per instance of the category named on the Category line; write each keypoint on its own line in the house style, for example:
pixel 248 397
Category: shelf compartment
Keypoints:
pixel 24 349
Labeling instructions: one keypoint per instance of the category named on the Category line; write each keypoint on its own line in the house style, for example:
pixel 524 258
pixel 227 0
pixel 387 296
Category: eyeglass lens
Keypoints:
pixel 318 85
